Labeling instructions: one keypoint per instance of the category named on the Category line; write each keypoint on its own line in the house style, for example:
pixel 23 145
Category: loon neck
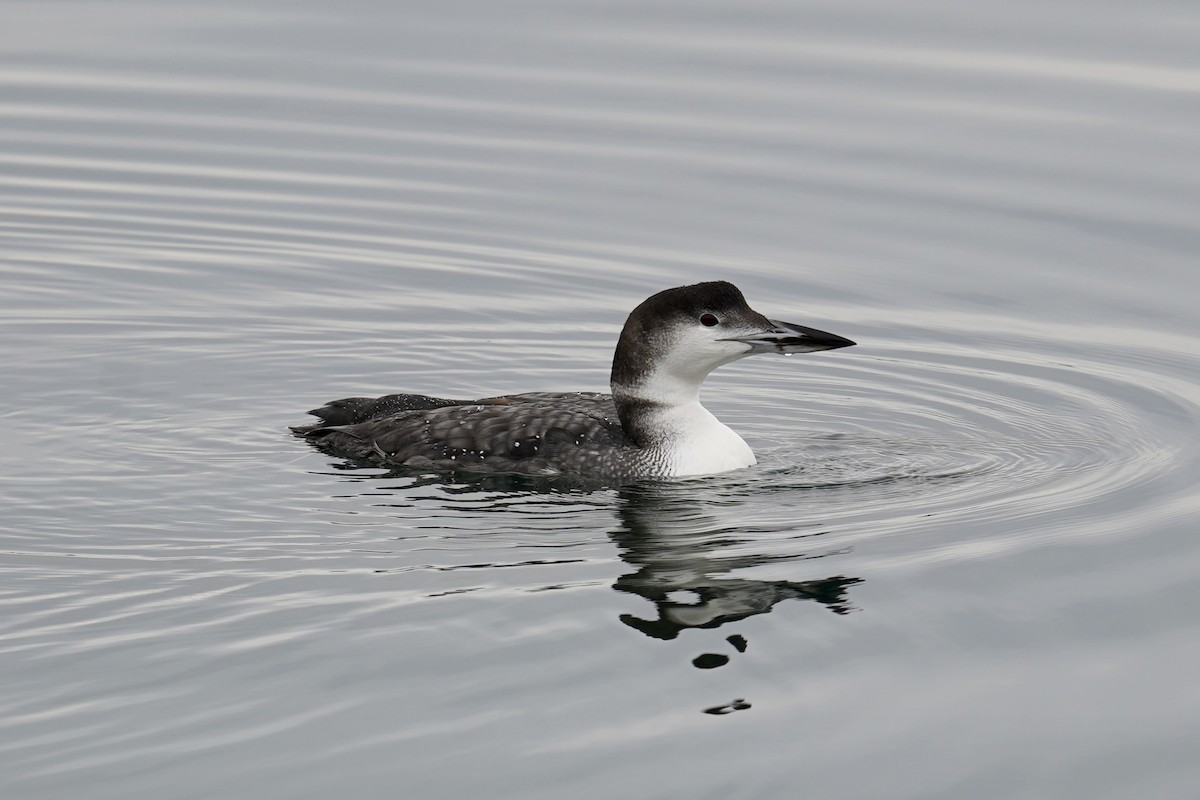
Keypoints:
pixel 650 411
pixel 680 433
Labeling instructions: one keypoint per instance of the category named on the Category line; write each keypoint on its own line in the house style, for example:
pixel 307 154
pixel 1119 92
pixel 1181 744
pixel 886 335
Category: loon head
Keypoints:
pixel 674 339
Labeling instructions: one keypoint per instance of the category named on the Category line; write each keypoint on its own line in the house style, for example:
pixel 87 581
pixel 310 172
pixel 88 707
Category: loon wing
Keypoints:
pixel 536 432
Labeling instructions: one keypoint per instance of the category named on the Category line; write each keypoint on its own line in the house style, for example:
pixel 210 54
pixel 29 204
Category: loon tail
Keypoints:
pixel 353 410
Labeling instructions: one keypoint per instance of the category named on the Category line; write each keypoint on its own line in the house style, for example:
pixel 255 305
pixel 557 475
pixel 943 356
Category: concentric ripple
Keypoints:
pixel 1053 432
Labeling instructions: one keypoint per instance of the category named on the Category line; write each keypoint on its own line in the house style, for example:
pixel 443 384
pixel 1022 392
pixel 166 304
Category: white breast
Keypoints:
pixel 697 443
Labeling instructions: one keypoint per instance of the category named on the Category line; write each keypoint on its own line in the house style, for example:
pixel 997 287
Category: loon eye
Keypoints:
pixel 708 320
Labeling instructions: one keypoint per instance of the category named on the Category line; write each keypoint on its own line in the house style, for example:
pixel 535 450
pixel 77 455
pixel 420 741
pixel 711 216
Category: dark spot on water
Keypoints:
pixel 709 661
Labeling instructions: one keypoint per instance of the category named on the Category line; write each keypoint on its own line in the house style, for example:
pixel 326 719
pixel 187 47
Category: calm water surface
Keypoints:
pixel 965 567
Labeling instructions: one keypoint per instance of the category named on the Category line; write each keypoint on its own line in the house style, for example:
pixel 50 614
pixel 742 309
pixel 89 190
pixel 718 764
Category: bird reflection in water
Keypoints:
pixel 676 547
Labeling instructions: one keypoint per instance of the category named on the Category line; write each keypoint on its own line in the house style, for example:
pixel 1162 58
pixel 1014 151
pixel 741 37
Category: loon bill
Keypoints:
pixel 651 426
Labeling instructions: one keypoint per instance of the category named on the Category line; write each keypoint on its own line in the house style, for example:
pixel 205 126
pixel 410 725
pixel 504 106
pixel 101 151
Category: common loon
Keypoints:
pixel 651 426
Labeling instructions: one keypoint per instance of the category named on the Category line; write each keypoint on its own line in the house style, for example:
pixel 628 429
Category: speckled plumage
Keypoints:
pixel 651 426
pixel 538 433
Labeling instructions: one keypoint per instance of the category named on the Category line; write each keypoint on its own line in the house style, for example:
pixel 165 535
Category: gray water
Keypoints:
pixel 966 565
